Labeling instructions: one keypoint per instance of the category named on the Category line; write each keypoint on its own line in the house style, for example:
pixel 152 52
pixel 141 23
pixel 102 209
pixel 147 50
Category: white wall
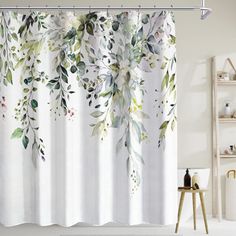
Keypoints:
pixel 197 42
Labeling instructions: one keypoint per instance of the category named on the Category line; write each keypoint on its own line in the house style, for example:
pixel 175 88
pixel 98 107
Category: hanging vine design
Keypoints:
pixel 107 56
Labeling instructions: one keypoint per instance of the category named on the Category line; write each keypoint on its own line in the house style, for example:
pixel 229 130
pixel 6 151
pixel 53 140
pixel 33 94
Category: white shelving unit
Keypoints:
pixel 219 63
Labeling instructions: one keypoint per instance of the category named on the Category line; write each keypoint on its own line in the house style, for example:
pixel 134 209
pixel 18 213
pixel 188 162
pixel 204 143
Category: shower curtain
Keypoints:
pixel 87 118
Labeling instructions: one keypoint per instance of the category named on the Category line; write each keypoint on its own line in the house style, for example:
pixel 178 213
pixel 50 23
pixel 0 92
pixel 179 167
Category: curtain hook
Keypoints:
pixel 89 8
pixel 74 9
pixel 29 9
pixel 107 9
pixel 59 9
pixel 46 6
pixel 139 6
pixel 16 9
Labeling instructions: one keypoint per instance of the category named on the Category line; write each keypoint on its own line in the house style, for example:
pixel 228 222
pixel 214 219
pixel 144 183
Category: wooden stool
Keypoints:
pixel 200 191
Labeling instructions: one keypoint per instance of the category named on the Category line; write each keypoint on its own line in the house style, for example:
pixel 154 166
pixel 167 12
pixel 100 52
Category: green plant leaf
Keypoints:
pixel 97 114
pixel 64 70
pixel 25 90
pixel 9 76
pixel 57 86
pixel 64 78
pixel 17 133
pixel 81 27
pixel 25 141
pixel 116 121
pixel 140 33
pixel 81 65
pixel 115 67
pixel 165 81
pixel 89 28
pixel 164 124
pixel 172 39
pixel 71 33
pixel 14 36
pixel 133 40
pixel 19 63
pixel 21 30
pixel 28 80
pixel 34 103
pixel 115 25
pixel 1 31
pixel 73 69
pixel 145 18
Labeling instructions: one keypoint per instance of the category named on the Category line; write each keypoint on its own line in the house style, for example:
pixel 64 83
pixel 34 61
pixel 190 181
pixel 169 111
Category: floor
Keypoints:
pixel 224 228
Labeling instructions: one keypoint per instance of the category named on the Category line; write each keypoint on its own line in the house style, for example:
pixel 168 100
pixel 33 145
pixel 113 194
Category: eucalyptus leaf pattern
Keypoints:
pixel 8 54
pixel 106 57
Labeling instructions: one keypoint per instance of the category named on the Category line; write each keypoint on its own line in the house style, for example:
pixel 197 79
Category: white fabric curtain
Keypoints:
pixel 87 118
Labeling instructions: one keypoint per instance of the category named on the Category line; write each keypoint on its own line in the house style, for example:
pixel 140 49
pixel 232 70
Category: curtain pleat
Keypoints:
pixel 87 118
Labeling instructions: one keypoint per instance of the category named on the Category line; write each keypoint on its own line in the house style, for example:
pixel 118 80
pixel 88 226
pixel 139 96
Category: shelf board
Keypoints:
pixel 226 82
pixel 227 120
pixel 227 156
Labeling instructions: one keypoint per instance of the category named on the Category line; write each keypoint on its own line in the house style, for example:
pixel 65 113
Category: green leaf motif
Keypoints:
pixel 73 69
pixel 89 28
pixel 64 70
pixel 173 39
pixel 17 133
pixel 71 34
pixel 145 19
pixel 9 76
pixel 34 103
pixel 81 65
pixel 115 25
pixel 97 114
pixel 1 31
pixel 14 36
pixel 164 124
pixel 165 81
pixel 19 63
pixel 25 141
pixel 64 78
pixel 140 33
pixel 21 30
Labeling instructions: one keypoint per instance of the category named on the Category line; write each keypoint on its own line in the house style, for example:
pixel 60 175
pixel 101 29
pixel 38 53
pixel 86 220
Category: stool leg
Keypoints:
pixel 194 210
pixel 181 201
pixel 203 211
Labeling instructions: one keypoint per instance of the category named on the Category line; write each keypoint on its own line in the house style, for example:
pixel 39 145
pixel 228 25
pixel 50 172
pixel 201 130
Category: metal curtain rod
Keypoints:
pixel 205 11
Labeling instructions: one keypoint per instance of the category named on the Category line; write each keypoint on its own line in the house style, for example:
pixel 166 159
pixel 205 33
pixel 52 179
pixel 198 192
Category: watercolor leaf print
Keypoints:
pixel 8 53
pixel 108 59
pixel 116 91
